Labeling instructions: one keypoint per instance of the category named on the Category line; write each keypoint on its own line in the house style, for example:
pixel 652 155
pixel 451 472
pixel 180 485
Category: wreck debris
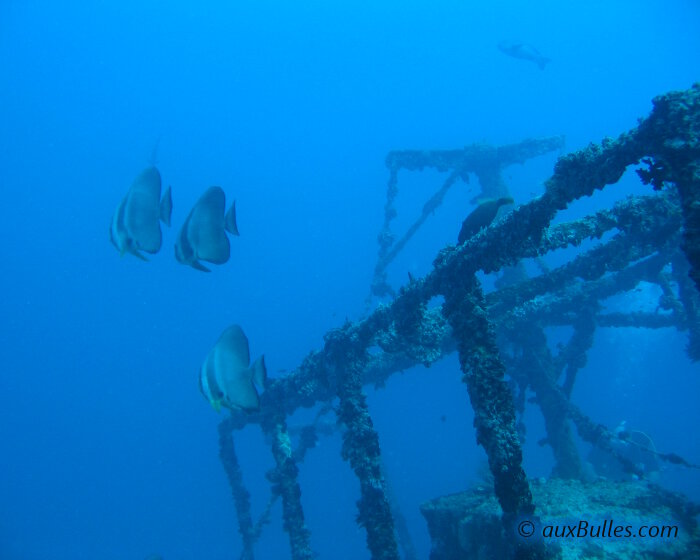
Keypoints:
pixel 466 526
pixel 485 161
pixel 490 330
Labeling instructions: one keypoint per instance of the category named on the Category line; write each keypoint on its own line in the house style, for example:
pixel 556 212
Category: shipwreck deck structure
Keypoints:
pixel 653 238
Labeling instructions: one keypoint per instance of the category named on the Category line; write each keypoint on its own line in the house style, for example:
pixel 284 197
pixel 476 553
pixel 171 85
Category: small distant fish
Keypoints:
pixel 481 217
pixel 523 51
pixel 227 378
pixel 136 223
pixel 203 235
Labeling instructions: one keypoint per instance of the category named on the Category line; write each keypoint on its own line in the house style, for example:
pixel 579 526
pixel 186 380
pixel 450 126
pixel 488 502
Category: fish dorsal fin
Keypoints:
pixel 259 372
pixel 230 220
pixel 166 207
pixel 142 210
pixel 205 230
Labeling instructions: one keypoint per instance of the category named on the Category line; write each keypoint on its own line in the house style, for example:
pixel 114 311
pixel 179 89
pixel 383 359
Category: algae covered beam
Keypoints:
pixel 361 447
pixel 519 233
pixel 671 135
pixel 485 161
pixel 285 483
pixel 538 366
pixel 241 497
pixel 491 400
pixel 475 157
pixel 407 333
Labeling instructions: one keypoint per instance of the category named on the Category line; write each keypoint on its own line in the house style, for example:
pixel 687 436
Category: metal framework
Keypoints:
pixel 654 238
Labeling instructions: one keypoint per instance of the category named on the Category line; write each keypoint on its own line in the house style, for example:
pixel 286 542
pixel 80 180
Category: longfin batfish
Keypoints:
pixel 203 235
pixel 136 222
pixel 523 51
pixel 481 217
pixel 226 377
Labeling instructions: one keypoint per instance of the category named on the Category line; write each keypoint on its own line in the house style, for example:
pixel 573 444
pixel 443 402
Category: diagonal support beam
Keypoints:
pixel 491 400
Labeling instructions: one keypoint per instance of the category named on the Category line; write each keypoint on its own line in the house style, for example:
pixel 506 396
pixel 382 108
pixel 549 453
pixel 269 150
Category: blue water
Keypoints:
pixel 107 448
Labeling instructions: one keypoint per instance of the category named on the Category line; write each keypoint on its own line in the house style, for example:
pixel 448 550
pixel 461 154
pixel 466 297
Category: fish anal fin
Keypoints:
pixel 230 220
pixel 248 401
pixel 239 391
pixel 166 207
pixel 126 249
pixel 199 266
pixel 135 251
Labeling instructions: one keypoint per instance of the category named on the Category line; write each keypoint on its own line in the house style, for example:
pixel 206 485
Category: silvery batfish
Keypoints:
pixel 203 235
pixel 226 377
pixel 136 223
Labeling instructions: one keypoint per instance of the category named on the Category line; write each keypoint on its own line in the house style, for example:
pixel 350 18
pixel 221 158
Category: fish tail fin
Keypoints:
pixel 543 61
pixel 166 207
pixel 259 372
pixel 230 220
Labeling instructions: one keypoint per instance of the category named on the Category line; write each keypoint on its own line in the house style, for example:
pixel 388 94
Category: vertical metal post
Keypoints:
pixel 494 412
pixel 241 496
pixel 286 484
pixel 361 450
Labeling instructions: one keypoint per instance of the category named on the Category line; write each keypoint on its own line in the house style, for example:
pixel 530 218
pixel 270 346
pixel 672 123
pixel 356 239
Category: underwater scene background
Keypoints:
pixel 108 448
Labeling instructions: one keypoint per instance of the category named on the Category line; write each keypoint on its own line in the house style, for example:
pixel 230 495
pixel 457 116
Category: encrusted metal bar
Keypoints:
pixel 671 136
pixel 380 286
pixel 690 299
pixel 433 203
pixel 491 400
pixel 474 158
pixel 407 332
pixel 573 357
pixel 241 497
pixel 361 447
pixel 284 479
pixel 538 366
pixel 485 161
pixel 428 340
